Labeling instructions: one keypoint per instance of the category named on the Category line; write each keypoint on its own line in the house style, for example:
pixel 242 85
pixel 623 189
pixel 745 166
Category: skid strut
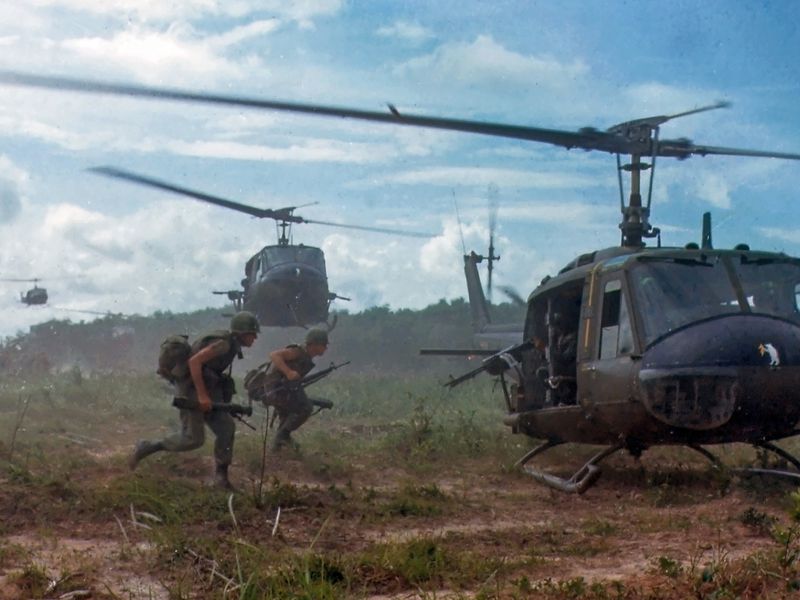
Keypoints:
pixel 769 446
pixel 583 478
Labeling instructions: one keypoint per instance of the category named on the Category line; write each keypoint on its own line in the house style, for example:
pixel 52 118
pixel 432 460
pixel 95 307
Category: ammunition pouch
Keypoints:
pixel 219 383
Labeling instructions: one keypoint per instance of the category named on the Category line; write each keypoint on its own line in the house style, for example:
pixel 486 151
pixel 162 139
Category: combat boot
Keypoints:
pixel 221 480
pixel 142 449
pixel 282 439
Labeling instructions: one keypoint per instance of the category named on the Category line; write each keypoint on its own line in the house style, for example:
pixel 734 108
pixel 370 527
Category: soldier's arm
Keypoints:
pixel 196 363
pixel 279 358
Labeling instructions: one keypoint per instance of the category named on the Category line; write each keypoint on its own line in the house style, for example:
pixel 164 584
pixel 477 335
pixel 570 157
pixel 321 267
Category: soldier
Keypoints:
pixel 292 364
pixel 207 382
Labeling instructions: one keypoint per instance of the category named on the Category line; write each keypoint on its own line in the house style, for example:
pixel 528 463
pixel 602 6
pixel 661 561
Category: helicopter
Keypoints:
pixel 285 284
pixel 630 346
pixel 34 296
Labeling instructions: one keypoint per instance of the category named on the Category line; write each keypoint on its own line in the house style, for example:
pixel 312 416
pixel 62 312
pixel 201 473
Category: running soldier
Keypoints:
pixel 206 383
pixel 291 364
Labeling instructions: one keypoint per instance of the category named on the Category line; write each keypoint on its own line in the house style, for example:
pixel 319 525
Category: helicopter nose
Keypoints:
pixel 738 370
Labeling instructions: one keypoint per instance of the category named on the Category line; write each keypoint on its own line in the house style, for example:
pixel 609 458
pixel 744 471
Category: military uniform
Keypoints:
pixel 293 407
pixel 220 388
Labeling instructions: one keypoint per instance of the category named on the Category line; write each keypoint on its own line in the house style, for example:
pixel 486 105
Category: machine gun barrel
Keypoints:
pixel 490 362
pixel 234 409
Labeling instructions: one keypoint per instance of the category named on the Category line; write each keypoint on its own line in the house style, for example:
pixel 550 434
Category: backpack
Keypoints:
pixel 173 356
pixel 254 381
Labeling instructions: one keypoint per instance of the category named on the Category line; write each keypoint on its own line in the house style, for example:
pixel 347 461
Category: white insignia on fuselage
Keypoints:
pixel 774 357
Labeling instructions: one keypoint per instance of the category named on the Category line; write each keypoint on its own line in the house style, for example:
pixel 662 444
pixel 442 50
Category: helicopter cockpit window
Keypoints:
pixel 616 336
pixel 675 293
pixel 307 255
pixel 772 287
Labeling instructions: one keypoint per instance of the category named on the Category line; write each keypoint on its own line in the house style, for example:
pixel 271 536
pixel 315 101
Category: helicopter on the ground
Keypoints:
pixel 627 347
pixel 34 296
pixel 285 284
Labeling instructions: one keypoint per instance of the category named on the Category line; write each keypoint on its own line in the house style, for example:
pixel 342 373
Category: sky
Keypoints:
pixel 104 245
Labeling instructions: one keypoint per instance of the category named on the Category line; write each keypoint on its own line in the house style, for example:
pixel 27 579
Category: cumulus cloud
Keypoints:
pixel 405 30
pixel 486 62
pixel 179 53
pixel 779 233
pixel 303 12
pixel 12 180
pixel 454 176
pixel 307 151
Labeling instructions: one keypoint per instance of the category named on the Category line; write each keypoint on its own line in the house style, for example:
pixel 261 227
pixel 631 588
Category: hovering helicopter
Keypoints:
pixel 285 284
pixel 34 296
pixel 626 347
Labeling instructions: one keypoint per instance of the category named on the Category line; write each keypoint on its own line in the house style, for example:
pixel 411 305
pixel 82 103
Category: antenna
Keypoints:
pixel 492 193
pixel 460 227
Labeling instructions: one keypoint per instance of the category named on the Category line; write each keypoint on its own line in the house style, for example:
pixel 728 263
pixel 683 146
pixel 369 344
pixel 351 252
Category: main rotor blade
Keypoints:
pixel 18 280
pixel 182 191
pixel 685 149
pixel 586 138
pixel 416 234
pixel 566 139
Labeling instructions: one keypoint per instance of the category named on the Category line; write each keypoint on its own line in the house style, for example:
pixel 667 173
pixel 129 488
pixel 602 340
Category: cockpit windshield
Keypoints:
pixel 771 285
pixel 673 292
pixel 307 255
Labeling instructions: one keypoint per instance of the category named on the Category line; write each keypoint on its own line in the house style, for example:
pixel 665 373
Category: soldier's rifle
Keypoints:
pixel 494 364
pixel 237 411
pixel 292 386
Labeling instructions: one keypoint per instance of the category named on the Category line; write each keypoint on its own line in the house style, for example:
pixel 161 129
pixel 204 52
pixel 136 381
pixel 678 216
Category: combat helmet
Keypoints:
pixel 317 336
pixel 245 322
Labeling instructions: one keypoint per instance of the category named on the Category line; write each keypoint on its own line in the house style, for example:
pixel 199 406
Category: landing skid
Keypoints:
pixel 587 475
pixel 583 478
pixel 770 447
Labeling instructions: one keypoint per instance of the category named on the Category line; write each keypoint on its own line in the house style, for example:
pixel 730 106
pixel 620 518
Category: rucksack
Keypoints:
pixel 173 356
pixel 254 381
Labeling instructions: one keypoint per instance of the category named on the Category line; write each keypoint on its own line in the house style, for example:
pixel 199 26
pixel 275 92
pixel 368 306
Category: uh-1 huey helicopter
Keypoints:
pixel 285 284
pixel 631 346
pixel 34 296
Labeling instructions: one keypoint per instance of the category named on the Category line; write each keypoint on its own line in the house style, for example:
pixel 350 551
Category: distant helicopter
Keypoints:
pixel 285 284
pixel 34 296
pixel 628 347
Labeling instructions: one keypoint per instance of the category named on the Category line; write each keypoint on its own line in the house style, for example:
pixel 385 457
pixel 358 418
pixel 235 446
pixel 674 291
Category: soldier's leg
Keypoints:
pixel 224 428
pixel 191 434
pixel 189 437
pixel 296 413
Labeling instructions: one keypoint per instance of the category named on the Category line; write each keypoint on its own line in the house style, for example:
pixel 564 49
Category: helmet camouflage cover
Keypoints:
pixel 245 322
pixel 317 336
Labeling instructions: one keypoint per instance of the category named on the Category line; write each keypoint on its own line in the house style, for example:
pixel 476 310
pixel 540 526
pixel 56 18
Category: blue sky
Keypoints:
pixel 104 245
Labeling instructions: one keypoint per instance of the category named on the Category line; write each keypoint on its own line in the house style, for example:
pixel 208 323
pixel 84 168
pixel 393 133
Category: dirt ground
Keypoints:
pixel 640 521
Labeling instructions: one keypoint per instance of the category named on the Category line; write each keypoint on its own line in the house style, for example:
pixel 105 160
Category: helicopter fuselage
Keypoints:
pixel 34 296
pixel 662 346
pixel 286 285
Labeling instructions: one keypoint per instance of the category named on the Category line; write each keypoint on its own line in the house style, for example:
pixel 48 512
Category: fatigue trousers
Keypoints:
pixel 292 413
pixel 192 432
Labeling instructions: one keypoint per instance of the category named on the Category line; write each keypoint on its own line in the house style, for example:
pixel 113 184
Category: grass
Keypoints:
pixel 364 501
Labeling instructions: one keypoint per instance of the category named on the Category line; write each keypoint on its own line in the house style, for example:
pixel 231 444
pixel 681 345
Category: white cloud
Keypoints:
pixel 486 62
pixel 779 233
pixel 405 30
pixel 304 151
pixel 457 176
pixel 178 54
pixel 301 11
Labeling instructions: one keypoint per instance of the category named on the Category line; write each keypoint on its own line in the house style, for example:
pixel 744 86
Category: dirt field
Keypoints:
pixel 510 536
pixel 426 506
